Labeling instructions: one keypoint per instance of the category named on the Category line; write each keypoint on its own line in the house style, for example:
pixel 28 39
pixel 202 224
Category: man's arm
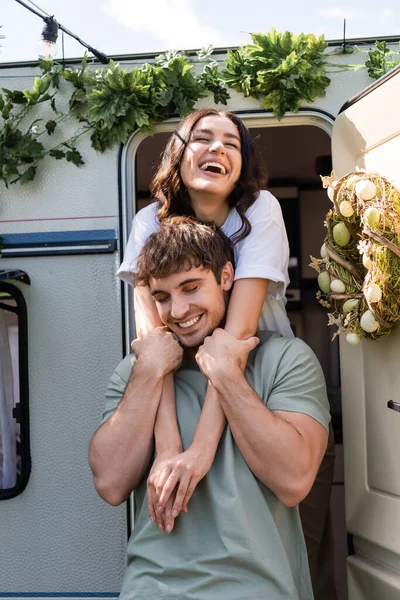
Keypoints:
pixel 121 449
pixel 282 448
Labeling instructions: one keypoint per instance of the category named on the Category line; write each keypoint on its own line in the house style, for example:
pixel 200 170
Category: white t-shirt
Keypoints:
pixel 264 253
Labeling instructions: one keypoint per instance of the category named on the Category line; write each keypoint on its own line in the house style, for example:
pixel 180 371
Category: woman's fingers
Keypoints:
pixel 155 485
pixel 171 484
pixel 169 520
pixel 189 493
pixel 182 493
pixel 167 489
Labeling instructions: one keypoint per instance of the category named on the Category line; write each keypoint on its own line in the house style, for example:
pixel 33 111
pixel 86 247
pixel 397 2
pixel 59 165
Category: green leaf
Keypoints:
pixel 211 79
pixel 33 149
pixel 75 157
pixel 46 65
pixel 377 63
pixel 50 126
pixel 44 98
pixel 5 113
pixel 28 176
pixel 57 154
pixel 55 80
pixel 205 52
pixel 14 96
pixel 38 92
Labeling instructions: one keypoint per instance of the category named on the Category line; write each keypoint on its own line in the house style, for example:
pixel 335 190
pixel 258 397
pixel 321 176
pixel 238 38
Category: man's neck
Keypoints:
pixel 190 355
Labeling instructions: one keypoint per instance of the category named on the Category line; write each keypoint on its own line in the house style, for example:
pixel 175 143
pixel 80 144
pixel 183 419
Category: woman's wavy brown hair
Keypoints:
pixel 167 186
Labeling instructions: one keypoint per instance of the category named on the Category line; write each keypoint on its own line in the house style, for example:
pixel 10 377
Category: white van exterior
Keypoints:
pixel 67 231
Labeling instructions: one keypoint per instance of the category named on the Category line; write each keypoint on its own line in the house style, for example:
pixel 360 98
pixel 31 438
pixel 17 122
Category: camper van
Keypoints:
pixel 66 321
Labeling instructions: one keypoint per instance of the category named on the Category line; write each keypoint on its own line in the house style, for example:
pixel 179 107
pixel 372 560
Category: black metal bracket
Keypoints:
pixel 394 405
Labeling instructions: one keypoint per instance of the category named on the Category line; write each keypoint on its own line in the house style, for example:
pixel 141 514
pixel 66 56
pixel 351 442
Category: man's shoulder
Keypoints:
pixel 289 378
pixel 272 340
pixel 117 385
pixel 277 348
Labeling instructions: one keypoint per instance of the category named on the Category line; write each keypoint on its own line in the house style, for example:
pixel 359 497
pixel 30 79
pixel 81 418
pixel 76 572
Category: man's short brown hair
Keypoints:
pixel 180 244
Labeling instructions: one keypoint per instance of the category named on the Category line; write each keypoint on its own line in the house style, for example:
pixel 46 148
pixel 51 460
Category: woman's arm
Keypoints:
pixel 243 315
pixel 166 430
pixel 168 442
pixel 245 306
pixel 244 310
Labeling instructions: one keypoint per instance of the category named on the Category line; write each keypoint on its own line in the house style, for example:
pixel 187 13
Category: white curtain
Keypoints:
pixel 8 448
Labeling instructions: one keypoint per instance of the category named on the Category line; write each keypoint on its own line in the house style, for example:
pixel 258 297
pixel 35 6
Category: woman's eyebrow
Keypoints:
pixel 232 135
pixel 209 132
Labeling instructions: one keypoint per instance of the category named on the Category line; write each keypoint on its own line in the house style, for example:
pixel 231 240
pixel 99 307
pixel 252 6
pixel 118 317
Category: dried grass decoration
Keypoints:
pixel 359 268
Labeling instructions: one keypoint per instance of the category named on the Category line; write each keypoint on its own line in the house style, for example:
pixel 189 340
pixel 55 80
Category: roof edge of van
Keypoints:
pixel 151 56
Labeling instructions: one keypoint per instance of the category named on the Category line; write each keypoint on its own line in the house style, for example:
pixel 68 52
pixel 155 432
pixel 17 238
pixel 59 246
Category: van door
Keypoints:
pixel 366 134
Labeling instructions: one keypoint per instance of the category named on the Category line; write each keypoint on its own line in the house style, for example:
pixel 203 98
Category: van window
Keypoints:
pixel 14 411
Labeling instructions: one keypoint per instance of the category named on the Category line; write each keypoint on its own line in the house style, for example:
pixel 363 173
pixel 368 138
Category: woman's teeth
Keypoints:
pixel 213 166
pixel 190 323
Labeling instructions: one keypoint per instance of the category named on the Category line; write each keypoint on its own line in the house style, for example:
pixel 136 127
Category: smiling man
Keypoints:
pixel 241 537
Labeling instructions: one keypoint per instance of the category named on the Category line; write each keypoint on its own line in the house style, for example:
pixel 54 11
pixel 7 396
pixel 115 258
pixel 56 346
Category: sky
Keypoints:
pixel 139 26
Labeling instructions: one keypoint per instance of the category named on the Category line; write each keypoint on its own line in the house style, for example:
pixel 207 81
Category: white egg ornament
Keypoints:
pixel 365 189
pixel 331 192
pixel 366 261
pixel 368 322
pixel 372 216
pixel 373 293
pixel 346 208
pixel 337 286
pixel 341 234
pixel 351 181
pixel 323 251
pixel 353 339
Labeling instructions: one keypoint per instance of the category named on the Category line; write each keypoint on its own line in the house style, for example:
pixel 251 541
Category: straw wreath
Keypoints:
pixel 359 268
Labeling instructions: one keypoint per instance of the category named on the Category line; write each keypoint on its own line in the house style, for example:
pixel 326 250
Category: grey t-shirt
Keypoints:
pixel 237 541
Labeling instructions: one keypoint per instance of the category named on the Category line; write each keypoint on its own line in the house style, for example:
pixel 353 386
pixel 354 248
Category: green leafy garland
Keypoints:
pixel 280 68
pixel 377 63
pixel 109 104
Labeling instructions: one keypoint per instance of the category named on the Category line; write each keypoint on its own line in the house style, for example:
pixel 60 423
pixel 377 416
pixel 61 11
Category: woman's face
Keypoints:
pixel 212 161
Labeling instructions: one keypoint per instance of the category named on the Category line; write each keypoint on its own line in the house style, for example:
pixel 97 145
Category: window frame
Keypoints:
pixel 23 410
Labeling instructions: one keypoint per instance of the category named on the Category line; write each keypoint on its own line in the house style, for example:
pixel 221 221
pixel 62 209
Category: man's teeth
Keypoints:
pixel 221 168
pixel 189 323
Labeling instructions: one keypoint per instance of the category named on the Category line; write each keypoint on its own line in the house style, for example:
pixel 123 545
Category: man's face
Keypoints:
pixel 191 303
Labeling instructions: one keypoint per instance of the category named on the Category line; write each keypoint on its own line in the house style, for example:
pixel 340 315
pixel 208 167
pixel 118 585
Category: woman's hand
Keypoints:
pixel 159 350
pixel 171 484
pixel 157 476
pixel 222 354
